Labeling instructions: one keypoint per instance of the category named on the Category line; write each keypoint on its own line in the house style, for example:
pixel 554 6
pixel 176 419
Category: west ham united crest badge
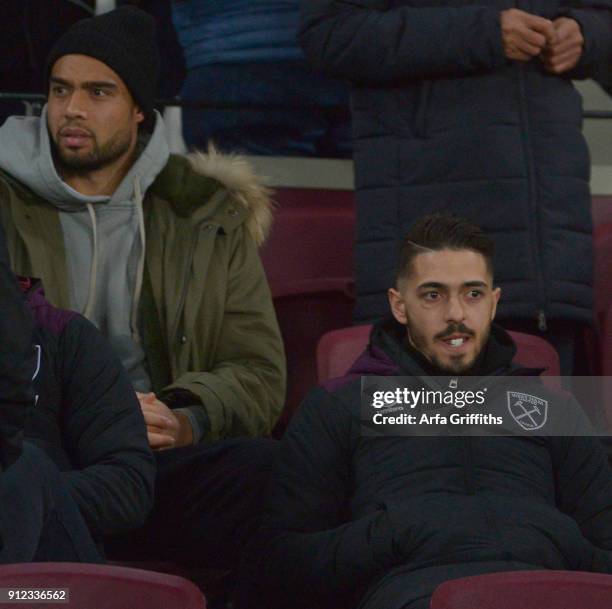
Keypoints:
pixel 529 411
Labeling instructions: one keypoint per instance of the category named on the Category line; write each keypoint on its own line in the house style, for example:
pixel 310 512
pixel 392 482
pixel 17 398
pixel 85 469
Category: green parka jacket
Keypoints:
pixel 209 327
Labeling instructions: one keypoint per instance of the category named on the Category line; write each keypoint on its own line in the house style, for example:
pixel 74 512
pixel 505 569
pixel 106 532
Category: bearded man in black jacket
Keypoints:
pixel 353 520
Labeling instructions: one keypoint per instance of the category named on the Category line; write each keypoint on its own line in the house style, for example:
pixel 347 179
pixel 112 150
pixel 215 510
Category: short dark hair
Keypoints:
pixel 442 231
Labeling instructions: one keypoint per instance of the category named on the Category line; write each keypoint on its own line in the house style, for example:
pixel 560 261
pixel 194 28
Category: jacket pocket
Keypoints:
pixel 543 535
pixel 405 526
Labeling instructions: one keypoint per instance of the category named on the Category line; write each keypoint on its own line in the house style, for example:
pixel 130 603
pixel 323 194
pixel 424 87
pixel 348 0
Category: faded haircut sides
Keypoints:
pixel 435 232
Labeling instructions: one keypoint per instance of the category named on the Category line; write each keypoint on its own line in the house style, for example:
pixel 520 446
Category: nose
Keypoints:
pixel 76 106
pixel 455 311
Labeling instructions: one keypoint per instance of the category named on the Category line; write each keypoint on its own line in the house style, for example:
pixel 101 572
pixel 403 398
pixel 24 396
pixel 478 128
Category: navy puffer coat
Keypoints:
pixel 443 122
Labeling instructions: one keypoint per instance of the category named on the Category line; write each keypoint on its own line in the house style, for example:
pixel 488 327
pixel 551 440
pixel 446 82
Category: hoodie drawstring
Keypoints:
pixel 141 262
pixel 93 273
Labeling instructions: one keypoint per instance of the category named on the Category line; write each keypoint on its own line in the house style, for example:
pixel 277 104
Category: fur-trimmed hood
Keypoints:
pixel 191 181
pixel 237 175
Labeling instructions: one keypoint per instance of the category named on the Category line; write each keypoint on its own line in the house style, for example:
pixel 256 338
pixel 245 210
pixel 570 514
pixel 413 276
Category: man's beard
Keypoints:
pixel 99 156
pixel 458 364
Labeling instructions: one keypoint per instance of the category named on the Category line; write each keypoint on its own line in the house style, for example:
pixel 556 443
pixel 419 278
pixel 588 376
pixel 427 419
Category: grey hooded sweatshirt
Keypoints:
pixel 104 236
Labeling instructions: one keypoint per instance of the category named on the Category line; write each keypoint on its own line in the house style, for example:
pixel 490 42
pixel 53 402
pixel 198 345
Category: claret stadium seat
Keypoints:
pixel 308 260
pixel 602 244
pixel 101 587
pixel 526 590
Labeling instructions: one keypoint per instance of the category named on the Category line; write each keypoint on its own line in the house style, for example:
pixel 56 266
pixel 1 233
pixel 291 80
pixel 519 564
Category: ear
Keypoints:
pixel 398 306
pixel 138 115
pixel 496 296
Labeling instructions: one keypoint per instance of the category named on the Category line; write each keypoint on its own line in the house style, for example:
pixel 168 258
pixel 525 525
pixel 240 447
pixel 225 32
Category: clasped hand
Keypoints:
pixel 165 427
pixel 558 43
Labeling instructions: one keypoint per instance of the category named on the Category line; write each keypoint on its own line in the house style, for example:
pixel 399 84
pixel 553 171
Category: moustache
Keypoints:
pixel 455 329
pixel 67 126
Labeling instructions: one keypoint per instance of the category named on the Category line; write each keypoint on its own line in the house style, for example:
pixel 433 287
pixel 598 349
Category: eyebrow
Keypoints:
pixel 438 286
pixel 93 84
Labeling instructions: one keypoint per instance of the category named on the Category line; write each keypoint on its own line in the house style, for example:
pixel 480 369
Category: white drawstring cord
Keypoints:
pixel 93 272
pixel 141 262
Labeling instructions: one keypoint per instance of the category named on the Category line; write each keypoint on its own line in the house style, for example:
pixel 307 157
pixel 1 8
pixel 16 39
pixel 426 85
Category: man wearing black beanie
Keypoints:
pixel 160 252
pixel 124 40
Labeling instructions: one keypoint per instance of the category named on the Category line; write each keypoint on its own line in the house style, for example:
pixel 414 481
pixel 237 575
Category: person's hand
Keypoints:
pixel 165 428
pixel 524 35
pixel 566 51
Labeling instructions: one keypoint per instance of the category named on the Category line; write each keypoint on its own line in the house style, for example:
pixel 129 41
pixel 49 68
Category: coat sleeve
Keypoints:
pixel 366 41
pixel 104 433
pixel 595 20
pixel 307 545
pixel 244 390
pixel 16 361
pixel 584 482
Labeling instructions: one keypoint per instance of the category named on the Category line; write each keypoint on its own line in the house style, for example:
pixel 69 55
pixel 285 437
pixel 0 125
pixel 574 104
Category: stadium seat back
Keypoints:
pixel 602 244
pixel 337 350
pixel 308 259
pixel 600 344
pixel 601 208
pixel 103 586
pixel 303 318
pixel 311 240
pixel 526 590
pixel 535 352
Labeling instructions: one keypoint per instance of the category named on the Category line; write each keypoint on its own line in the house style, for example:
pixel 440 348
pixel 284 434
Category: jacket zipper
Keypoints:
pixel 535 236
pixel 184 287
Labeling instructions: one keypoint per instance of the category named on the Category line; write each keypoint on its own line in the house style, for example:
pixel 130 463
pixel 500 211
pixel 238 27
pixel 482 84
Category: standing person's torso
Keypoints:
pixel 502 147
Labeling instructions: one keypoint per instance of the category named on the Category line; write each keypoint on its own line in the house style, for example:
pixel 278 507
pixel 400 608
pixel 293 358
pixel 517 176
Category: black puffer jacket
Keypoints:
pixel 385 520
pixel 442 121
pixel 16 361
pixel 87 419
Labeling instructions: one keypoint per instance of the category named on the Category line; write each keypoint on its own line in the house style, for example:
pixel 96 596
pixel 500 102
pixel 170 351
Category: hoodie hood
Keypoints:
pixel 188 184
pixel 25 154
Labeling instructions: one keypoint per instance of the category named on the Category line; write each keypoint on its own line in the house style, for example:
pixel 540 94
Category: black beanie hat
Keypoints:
pixel 123 39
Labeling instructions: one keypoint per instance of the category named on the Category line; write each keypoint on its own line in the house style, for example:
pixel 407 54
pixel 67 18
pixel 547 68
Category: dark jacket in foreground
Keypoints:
pixel 443 122
pixel 16 361
pixel 384 520
pixel 88 420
